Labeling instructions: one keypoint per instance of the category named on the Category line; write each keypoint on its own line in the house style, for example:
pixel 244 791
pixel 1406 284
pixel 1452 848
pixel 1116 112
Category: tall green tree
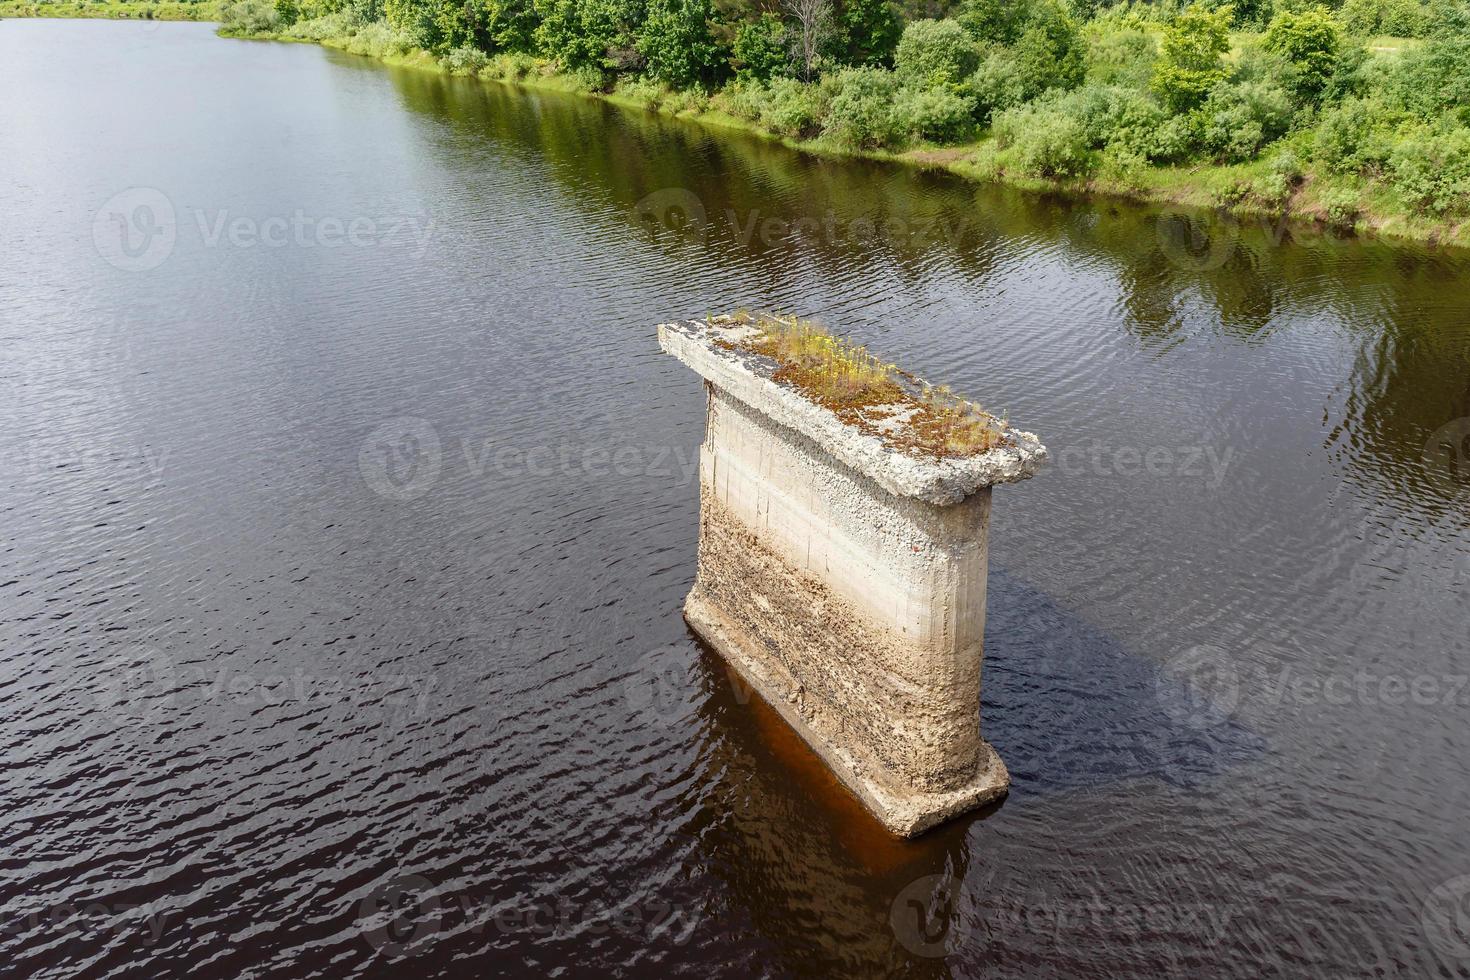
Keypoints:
pixel 996 21
pixel 935 52
pixel 1191 63
pixel 584 34
pixel 510 25
pixel 418 20
pixel 1050 52
pixel 762 48
pixel 676 42
pixel 869 31
pixel 1312 42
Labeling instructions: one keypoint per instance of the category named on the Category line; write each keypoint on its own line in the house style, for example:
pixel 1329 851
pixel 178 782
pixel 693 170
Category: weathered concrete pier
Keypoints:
pixel 845 580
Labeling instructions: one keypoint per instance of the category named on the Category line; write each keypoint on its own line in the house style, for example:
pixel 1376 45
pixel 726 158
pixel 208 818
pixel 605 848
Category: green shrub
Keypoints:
pixel 1122 119
pixel 1432 78
pixel 1432 169
pixel 1190 66
pixel 248 16
pixel 790 107
pixel 1283 174
pixel 1124 57
pixel 861 111
pixel 378 40
pixel 994 21
pixel 1239 118
pixel 742 99
pixel 1049 53
pixel 464 60
pixel 1356 136
pixel 512 67
pixel 1399 18
pixel 761 48
pixel 1176 139
pixel 686 100
pixel 339 25
pixel 1123 167
pixel 938 114
pixel 1042 140
pixel 935 52
pixel 1342 206
pixel 644 92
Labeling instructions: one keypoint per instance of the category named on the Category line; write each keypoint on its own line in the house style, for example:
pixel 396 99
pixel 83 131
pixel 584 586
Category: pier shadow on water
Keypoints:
pixel 819 882
pixel 1070 708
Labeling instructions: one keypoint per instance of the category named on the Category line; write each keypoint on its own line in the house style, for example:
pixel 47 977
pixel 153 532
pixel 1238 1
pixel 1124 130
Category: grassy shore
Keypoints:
pixel 1255 190
pixel 204 10
pixel 1304 198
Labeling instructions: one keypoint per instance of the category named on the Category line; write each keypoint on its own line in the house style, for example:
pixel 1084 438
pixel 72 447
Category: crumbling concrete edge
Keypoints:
pixel 748 377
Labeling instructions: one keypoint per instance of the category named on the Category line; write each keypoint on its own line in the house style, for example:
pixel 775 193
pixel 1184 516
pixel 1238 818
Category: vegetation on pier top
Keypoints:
pixel 907 413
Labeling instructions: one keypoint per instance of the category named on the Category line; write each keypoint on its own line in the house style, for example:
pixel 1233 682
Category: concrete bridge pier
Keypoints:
pixel 846 582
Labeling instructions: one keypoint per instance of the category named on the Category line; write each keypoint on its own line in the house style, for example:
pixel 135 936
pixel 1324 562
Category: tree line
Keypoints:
pixel 1286 92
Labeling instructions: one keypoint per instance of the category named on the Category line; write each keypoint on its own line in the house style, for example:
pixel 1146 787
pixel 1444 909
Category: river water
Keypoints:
pixel 347 508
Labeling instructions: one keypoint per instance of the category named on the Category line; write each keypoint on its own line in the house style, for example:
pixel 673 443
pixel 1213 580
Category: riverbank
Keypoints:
pixel 1300 197
pixel 190 10
pixel 1290 195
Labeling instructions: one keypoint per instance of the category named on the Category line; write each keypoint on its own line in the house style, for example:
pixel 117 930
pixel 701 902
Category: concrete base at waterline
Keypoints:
pixel 906 813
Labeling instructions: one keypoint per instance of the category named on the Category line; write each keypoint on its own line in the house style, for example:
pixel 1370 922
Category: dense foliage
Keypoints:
pixel 1285 91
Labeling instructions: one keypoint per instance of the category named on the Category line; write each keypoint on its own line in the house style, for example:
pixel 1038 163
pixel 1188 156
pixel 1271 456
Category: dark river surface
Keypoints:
pixel 347 507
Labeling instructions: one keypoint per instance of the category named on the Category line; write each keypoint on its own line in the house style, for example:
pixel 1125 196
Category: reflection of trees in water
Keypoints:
pixel 1411 379
pixel 803 219
pixel 1404 310
pixel 796 216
